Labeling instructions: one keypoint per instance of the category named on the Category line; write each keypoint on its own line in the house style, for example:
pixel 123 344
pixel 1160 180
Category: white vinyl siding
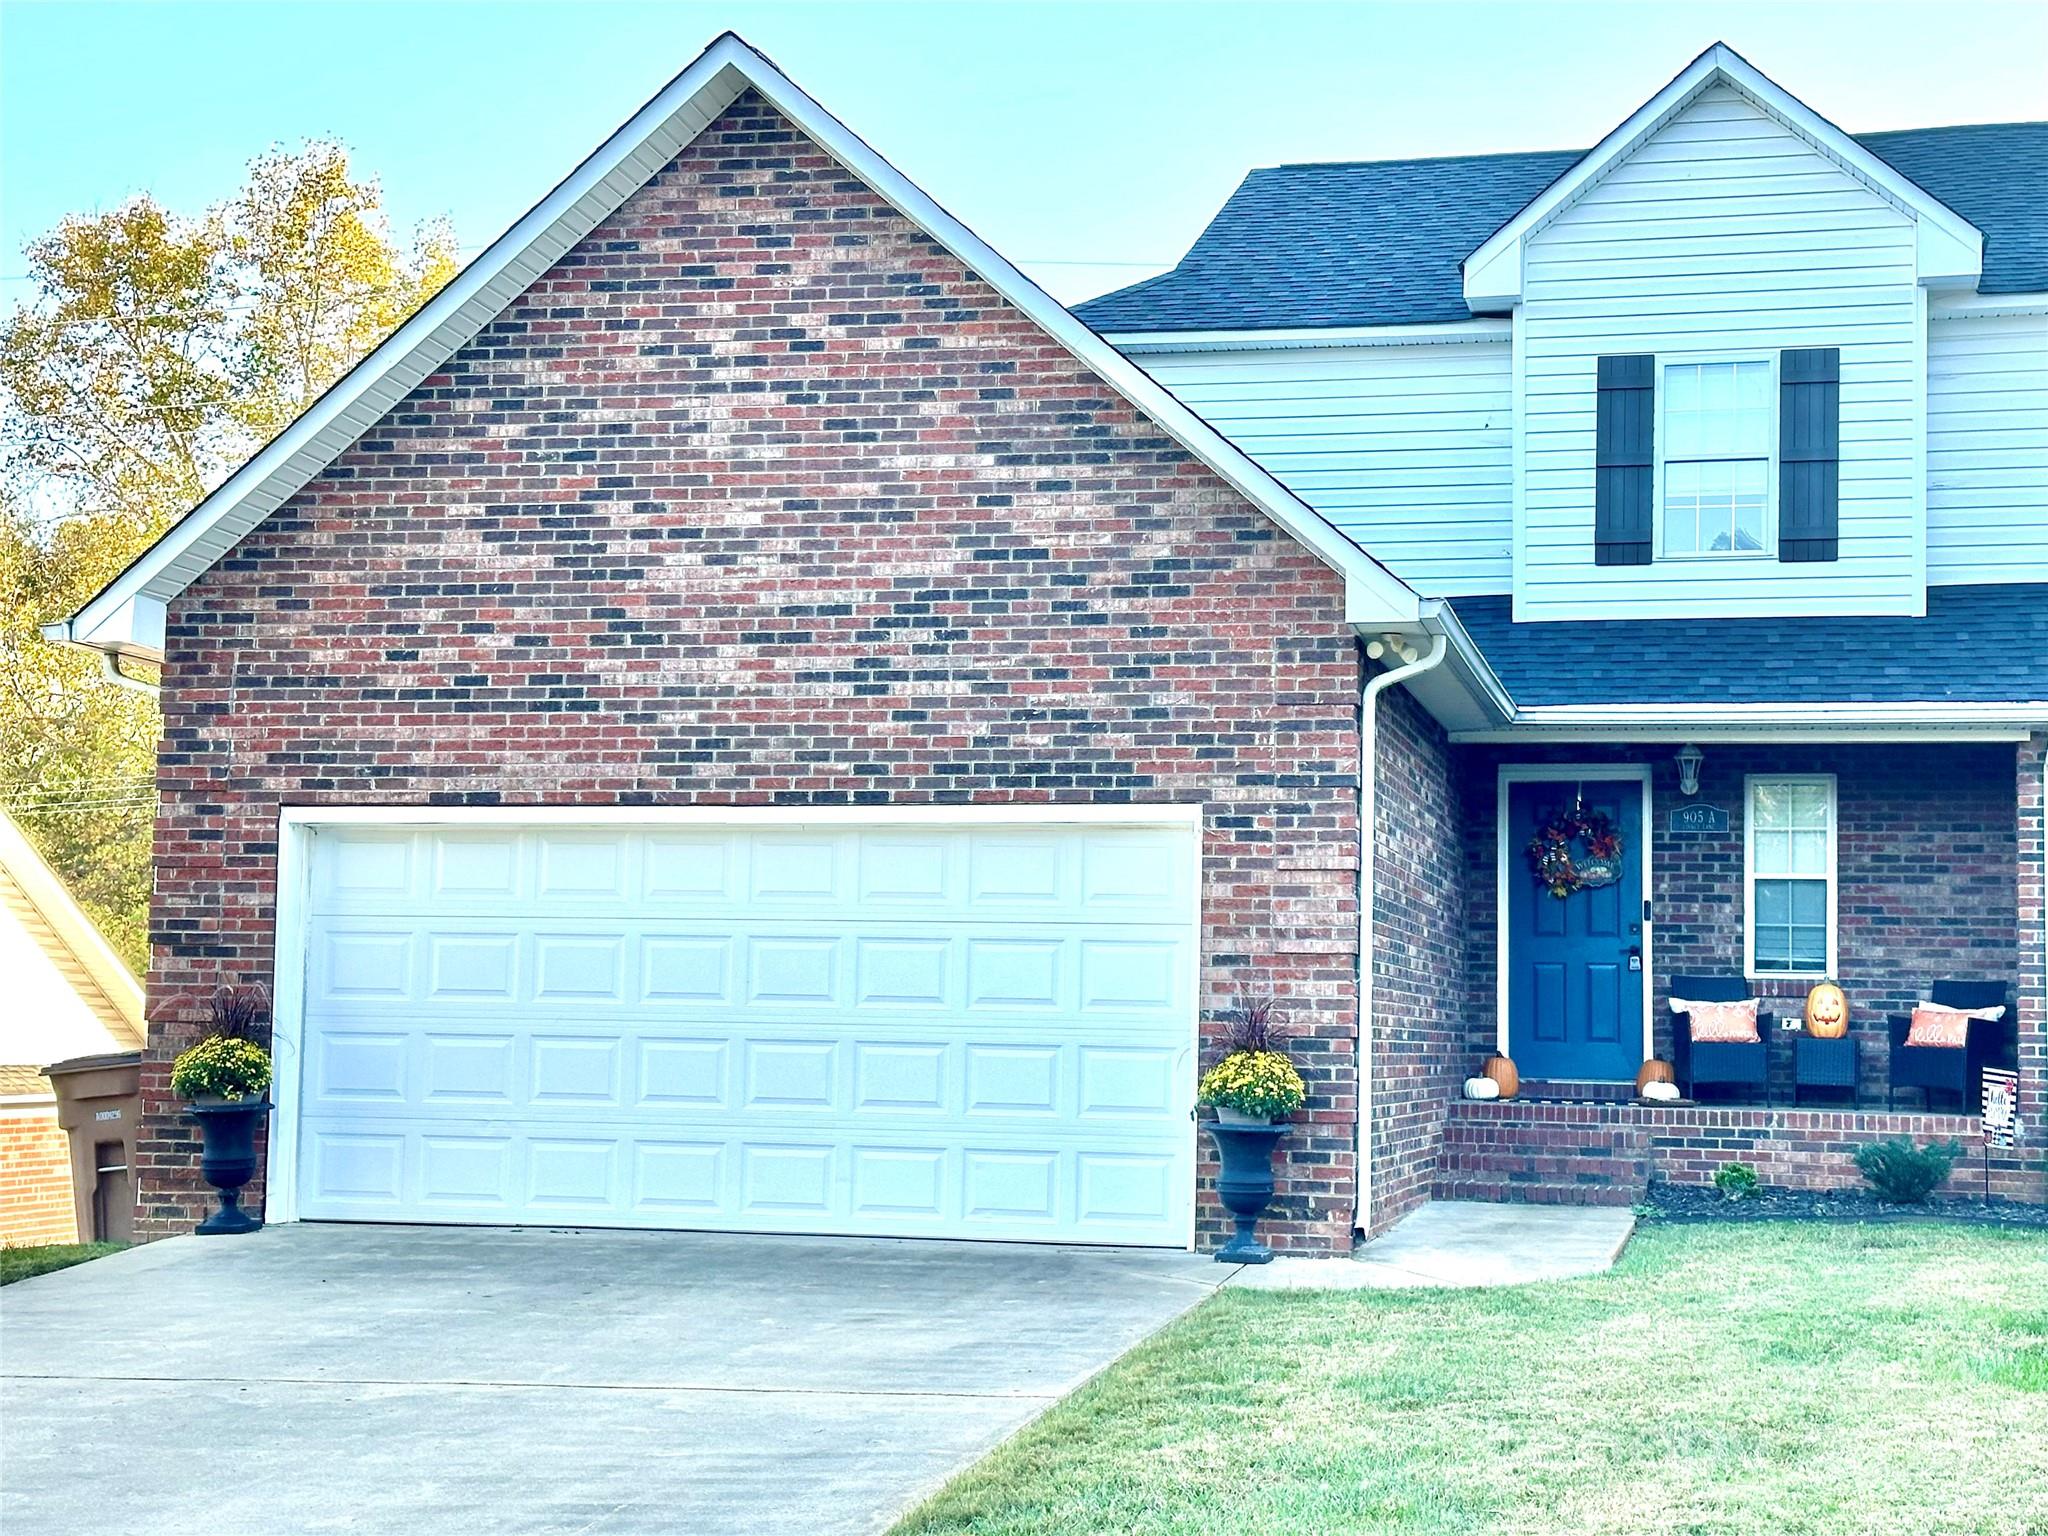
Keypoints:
pixel 1724 234
pixel 1987 449
pixel 1407 449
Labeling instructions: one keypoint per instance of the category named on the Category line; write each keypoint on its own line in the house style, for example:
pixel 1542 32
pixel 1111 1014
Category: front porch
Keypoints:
pixel 1886 866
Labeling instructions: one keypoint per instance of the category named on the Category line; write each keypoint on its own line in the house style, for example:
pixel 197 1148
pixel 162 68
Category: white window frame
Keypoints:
pixel 1749 875
pixel 1661 440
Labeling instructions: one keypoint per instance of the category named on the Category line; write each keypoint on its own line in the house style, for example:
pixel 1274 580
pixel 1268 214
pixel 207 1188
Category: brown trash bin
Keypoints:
pixel 99 1106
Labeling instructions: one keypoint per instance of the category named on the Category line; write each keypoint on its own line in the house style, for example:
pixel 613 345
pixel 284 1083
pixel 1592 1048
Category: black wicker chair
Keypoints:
pixel 1731 1064
pixel 1956 1069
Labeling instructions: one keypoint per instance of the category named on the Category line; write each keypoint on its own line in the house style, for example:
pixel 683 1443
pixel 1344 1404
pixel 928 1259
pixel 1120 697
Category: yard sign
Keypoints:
pixel 2001 1107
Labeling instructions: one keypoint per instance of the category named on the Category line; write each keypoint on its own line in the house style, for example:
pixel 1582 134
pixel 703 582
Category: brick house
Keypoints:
pixel 746 714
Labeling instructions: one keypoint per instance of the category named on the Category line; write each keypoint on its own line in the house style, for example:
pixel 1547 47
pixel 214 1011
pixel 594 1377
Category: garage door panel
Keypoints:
pixel 869 1186
pixel 762 969
pixel 873 1031
pixel 1082 876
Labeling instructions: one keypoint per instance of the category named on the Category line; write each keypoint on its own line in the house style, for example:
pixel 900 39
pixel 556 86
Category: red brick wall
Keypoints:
pixel 759 497
pixel 35 1178
pixel 1419 935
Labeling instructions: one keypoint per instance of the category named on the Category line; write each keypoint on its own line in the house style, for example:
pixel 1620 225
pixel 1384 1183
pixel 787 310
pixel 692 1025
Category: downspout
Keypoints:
pixel 1368 851
pixel 110 668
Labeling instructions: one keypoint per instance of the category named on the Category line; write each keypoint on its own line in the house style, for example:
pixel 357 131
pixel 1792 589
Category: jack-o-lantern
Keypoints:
pixel 1827 1012
pixel 1502 1071
pixel 1652 1072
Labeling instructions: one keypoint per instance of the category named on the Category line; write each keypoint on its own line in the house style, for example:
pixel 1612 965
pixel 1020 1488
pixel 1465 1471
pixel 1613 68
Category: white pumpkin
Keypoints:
pixel 1662 1093
pixel 1481 1088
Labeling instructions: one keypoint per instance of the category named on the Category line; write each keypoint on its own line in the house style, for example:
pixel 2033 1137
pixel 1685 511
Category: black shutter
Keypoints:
pixel 1809 450
pixel 1623 461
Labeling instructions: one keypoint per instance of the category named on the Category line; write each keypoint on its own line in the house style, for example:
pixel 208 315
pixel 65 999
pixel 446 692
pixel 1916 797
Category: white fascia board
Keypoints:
pixel 1986 306
pixel 1727 735
pixel 1468 661
pixel 1951 248
pixel 620 166
pixel 1438 333
pixel 2021 716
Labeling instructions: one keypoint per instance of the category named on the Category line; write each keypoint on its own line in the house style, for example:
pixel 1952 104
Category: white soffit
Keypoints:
pixel 126 616
pixel 1951 249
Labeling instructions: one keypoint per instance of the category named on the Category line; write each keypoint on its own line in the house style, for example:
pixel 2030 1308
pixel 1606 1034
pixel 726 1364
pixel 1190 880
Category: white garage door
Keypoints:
pixel 945 1032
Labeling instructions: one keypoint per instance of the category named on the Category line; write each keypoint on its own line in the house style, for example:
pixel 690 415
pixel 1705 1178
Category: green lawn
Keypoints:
pixel 1774 1379
pixel 21 1263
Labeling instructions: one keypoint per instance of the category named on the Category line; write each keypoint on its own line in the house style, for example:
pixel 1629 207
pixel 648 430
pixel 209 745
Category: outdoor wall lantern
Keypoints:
pixel 1689 759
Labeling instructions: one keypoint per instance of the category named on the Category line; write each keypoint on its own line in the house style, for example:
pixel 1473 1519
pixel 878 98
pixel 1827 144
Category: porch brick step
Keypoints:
pixel 1529 1154
pixel 1535 1194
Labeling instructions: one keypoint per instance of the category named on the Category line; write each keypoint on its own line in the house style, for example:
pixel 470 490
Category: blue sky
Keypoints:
pixel 1089 142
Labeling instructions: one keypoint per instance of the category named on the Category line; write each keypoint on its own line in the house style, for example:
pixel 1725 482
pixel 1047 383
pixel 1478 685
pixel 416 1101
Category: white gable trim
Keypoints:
pixel 1421 334
pixel 1951 249
pixel 127 616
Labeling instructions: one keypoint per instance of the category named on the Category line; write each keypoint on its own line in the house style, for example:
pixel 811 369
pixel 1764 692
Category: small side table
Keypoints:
pixel 1818 1063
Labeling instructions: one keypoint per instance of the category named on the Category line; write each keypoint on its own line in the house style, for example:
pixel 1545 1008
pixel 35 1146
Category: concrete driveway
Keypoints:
pixel 420 1379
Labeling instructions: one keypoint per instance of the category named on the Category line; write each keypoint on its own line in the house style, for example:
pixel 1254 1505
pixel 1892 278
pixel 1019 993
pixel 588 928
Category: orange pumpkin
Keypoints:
pixel 1502 1071
pixel 1653 1072
pixel 1827 1012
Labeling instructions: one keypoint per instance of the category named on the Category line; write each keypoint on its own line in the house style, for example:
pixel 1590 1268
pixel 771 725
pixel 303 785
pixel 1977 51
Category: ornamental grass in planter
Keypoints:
pixel 1254 1083
pixel 225 1079
pixel 1253 1090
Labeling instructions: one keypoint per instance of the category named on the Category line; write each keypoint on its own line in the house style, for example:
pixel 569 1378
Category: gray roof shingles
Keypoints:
pixel 1977 644
pixel 1382 242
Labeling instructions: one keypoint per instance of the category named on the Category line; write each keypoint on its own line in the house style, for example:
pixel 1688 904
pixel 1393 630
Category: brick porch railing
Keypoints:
pixel 1608 1153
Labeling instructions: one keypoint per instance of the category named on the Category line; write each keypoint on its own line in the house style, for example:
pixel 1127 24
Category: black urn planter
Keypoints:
pixel 1246 1185
pixel 228 1161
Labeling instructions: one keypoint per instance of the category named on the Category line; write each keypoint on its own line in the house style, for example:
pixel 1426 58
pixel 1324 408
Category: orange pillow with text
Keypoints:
pixel 1721 1023
pixel 1935 1025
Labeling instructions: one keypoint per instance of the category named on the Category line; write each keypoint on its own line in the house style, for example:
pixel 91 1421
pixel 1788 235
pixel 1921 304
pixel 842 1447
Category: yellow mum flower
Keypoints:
pixel 1261 1083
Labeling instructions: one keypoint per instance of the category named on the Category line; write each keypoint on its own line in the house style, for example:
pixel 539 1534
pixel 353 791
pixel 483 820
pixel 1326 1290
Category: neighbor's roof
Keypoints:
pixel 1382 242
pixel 85 1000
pixel 1976 645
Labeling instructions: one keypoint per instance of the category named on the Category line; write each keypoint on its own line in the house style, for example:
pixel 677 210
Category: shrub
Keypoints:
pixel 219 1067
pixel 1904 1174
pixel 1737 1181
pixel 1261 1083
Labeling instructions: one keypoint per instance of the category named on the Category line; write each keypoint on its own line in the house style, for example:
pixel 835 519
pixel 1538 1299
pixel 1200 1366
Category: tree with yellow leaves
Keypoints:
pixel 159 353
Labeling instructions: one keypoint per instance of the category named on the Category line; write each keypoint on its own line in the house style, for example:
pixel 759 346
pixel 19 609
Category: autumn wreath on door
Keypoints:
pixel 1576 849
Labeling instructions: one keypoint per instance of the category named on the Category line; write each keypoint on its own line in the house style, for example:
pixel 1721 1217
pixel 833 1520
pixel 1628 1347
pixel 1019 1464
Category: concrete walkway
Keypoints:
pixel 1464 1243
pixel 437 1379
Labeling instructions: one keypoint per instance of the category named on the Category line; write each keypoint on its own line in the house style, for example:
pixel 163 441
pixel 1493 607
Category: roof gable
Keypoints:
pixel 1378 243
pixel 1951 249
pixel 127 617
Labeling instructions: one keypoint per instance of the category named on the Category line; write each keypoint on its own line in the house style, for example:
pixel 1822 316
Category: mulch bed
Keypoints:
pixel 1692 1202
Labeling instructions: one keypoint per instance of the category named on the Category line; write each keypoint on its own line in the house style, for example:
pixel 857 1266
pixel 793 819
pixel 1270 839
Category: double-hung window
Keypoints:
pixel 1790 875
pixel 1717 445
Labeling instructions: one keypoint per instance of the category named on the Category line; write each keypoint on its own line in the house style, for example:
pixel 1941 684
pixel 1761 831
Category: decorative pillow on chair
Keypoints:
pixel 1934 1024
pixel 1720 1023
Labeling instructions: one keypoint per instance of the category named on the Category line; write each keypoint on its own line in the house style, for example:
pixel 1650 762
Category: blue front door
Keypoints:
pixel 1575 984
